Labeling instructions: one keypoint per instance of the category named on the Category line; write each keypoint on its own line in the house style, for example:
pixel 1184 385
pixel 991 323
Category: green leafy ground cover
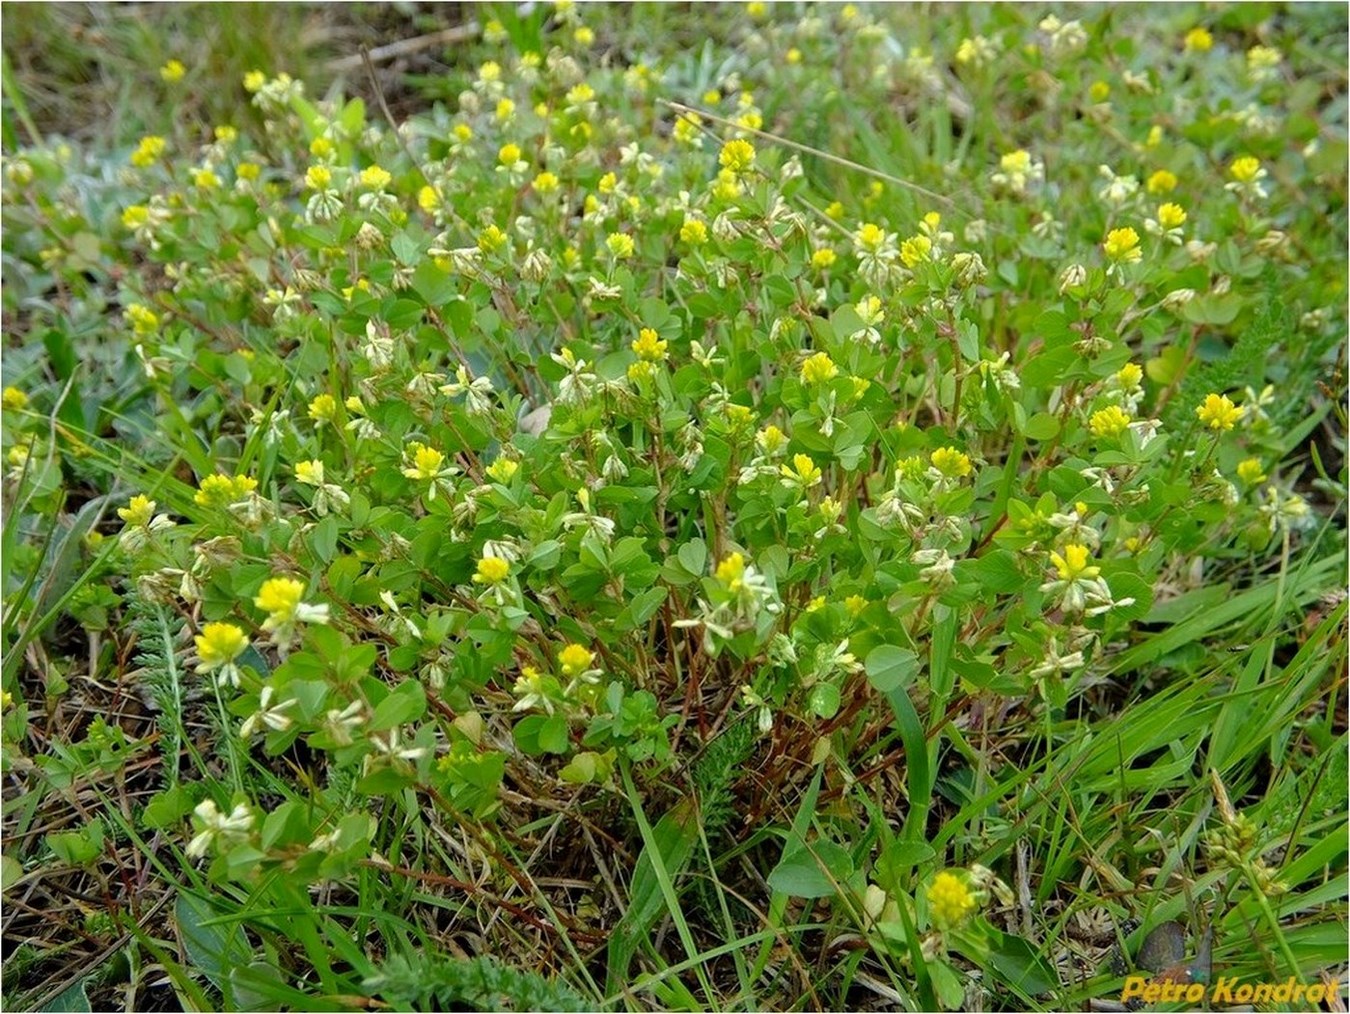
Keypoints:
pixel 758 507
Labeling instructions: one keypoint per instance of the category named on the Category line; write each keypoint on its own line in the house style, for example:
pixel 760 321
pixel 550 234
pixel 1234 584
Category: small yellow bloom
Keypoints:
pixel 14 399
pixel 503 470
pixel 823 258
pixel 915 249
pixel 147 151
pixel 1075 563
pixel 770 439
pixel 143 320
pixel 226 134
pixel 222 490
pixel 818 369
pixel 1245 169
pixel 173 71
pixel 323 409
pixel 492 570
pixel 1218 412
pixel 584 36
pixel 649 346
pixel 1122 245
pixel 793 56
pixel 694 232
pixel 505 109
pixel 205 179
pixel 248 171
pixel 871 237
pixel 546 182
pixel 1171 216
pixel 1251 472
pixel 950 900
pixel 492 239
pixel 322 147
pixel 309 472
pixel 1099 92
pixel 463 132
pixel 620 244
pixel 737 155
pixel 138 511
pixel 1198 40
pixel 318 177
pixel 1130 376
pixel 575 659
pixel 427 199
pixel 1161 182
pixel 731 572
pixel 580 94
pixel 803 470
pixel 279 597
pixel 508 154
pixel 426 462
pixel 951 462
pixel 855 604
pixel 135 216
pixel 219 644
pixel 1018 161
pixel 375 178
pixel 254 81
pixel 1111 421
pixel 835 210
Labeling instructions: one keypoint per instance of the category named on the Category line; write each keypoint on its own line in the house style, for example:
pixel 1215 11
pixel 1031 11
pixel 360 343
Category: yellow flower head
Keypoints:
pixel 225 134
pixel 147 151
pixel 135 216
pixel 1122 245
pixel 508 154
pixel 143 320
pixel 309 472
pixel 620 244
pixel 1018 161
pixel 915 249
pixel 1075 563
pixel 375 178
pixel 649 346
pixel 823 258
pixel 951 462
pixel 428 200
pixel 1111 421
pixel 1198 40
pixel 731 572
pixel 221 490
pixel 502 470
pixel 871 237
pixel 318 177
pixel 1245 169
pixel 172 71
pixel 694 232
pixel 1161 182
pixel 492 239
pixel 492 570
pixel 14 399
pixel 426 462
pixel 818 369
pixel 546 182
pixel 607 183
pixel 322 147
pixel 949 899
pixel 737 155
pixel 505 109
pixel 793 56
pixel 1218 412
pixel 323 408
pixel 584 36
pixel 248 170
pixel 770 439
pixel 254 81
pixel 219 644
pixel 1130 376
pixel 463 132
pixel 855 604
pixel 575 659
pixel 803 470
pixel 1250 471
pixel 138 511
pixel 1171 216
pixel 279 597
pixel 205 179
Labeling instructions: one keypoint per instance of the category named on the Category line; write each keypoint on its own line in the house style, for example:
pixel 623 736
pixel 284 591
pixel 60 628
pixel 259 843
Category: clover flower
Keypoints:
pixel 1251 471
pixel 803 474
pixel 649 346
pixel 949 900
pixel 1017 171
pixel 218 645
pixel 1111 421
pixel 1198 40
pixel 1161 182
pixel 818 369
pixel 950 463
pixel 269 715
pixel 1247 174
pixel 1218 412
pixel 737 155
pixel 1121 246
pixel 491 570
pixel 224 491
